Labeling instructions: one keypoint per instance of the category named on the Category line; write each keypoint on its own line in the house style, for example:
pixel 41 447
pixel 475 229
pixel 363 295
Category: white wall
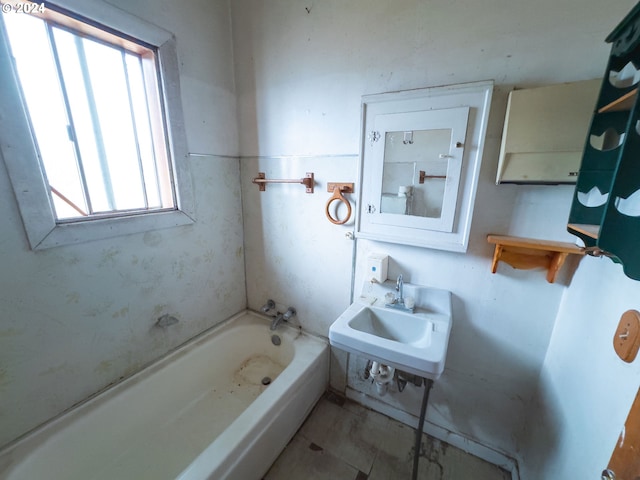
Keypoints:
pixel 585 390
pixel 75 319
pixel 301 69
pixel 293 254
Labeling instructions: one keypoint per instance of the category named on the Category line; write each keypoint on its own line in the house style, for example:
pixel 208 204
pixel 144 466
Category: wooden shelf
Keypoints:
pixel 527 253
pixel 592 231
pixel 624 103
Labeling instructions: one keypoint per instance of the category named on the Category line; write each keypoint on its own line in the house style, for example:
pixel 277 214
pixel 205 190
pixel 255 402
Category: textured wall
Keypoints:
pixel 77 318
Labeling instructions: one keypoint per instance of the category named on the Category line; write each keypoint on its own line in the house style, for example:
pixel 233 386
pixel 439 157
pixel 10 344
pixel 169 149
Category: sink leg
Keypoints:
pixel 428 383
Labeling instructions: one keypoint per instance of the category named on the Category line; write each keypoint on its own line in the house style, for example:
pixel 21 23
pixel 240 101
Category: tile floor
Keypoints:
pixel 342 440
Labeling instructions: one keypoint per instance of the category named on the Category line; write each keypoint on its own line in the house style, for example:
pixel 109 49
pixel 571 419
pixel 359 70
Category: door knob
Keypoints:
pixel 608 475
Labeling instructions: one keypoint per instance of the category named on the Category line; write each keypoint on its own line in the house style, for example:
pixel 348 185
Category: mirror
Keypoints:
pixel 421 153
pixel 420 161
pixel 414 172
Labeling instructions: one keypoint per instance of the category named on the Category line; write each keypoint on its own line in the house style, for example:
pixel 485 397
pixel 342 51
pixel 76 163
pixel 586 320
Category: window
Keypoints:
pixel 95 114
pixel 97 110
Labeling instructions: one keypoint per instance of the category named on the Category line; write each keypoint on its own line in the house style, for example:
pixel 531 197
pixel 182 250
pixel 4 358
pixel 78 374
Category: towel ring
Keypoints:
pixel 337 195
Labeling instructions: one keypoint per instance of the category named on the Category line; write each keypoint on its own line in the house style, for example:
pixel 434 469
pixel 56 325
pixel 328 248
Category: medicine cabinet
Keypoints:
pixel 421 152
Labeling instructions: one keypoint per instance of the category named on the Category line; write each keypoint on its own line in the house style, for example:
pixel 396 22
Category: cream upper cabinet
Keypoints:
pixel 421 153
pixel 544 133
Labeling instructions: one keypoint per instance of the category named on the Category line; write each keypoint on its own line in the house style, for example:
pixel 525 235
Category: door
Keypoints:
pixel 625 460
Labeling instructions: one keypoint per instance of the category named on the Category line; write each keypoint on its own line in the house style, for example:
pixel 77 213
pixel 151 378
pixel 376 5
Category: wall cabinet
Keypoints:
pixel 420 160
pixel 605 212
pixel 544 132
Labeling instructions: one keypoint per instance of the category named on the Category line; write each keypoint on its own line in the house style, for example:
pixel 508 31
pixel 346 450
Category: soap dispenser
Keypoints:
pixel 377 265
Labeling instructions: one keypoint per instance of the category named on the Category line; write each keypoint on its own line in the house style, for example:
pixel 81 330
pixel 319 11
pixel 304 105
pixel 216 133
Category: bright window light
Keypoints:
pixel 94 105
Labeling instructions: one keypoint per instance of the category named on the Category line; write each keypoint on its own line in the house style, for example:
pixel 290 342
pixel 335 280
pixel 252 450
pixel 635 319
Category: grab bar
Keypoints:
pixel 261 181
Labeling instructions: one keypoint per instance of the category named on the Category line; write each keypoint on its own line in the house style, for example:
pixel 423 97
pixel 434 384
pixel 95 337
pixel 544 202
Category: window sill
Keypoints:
pixel 72 233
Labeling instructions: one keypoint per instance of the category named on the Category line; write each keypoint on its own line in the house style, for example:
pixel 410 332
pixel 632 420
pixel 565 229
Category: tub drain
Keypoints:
pixel 266 380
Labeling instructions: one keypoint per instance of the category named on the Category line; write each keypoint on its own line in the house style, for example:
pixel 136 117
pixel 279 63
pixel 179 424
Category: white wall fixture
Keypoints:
pixel 544 132
pixel 421 152
pixel 384 328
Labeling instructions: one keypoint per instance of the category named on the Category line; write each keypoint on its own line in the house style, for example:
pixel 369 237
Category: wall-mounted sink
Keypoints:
pixel 413 342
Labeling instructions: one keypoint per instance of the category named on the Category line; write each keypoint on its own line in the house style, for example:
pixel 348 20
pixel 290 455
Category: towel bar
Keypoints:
pixel 261 181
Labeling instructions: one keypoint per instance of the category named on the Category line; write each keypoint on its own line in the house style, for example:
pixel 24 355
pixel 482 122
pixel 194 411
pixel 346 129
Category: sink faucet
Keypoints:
pixel 398 302
pixel 399 289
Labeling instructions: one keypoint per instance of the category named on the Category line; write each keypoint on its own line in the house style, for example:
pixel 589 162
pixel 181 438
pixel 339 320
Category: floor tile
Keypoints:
pixel 459 464
pixel 345 434
pixel 390 466
pixel 304 460
pixel 343 440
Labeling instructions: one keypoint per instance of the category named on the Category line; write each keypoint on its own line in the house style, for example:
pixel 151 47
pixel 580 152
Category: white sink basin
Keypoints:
pixel 413 342
pixel 396 326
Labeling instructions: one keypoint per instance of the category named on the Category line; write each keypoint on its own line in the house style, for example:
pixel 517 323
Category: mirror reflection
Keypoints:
pixel 415 172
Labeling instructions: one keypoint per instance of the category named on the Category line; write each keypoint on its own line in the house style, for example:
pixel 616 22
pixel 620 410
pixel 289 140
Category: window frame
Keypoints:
pixel 19 150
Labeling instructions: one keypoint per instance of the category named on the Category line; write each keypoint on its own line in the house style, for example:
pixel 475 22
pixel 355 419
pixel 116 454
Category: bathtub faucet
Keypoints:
pixel 270 305
pixel 283 317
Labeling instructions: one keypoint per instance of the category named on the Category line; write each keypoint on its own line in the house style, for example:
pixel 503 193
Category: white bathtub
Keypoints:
pixel 199 413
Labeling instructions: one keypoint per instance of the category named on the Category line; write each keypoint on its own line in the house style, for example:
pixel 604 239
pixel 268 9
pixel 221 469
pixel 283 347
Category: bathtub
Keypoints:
pixel 202 412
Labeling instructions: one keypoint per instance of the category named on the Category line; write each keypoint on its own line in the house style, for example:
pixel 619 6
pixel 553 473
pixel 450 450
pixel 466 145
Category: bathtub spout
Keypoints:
pixel 283 317
pixel 276 321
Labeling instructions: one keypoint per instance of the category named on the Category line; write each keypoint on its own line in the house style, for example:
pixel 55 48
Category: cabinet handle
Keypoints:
pixel 608 475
